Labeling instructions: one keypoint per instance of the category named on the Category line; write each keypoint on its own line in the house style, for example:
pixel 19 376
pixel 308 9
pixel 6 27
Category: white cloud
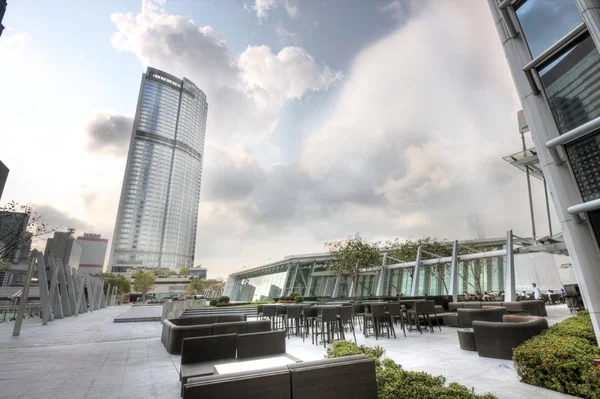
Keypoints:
pixel 252 86
pixel 263 6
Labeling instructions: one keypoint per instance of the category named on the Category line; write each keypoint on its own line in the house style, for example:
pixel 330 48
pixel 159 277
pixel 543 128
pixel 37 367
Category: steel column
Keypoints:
pixel 415 282
pixel 509 274
pixel 454 272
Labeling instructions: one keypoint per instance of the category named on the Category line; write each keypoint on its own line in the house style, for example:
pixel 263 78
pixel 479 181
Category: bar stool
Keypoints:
pixel 280 316
pixel 309 314
pixel 346 315
pixel 293 315
pixel 378 319
pixel 395 313
pixel 328 320
pixel 269 313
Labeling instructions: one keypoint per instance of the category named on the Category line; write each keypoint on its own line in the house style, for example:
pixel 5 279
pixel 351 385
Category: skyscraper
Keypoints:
pixel 158 209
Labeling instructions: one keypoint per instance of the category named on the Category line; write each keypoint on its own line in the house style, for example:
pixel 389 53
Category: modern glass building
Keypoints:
pixel 481 271
pixel 158 210
pixel 552 50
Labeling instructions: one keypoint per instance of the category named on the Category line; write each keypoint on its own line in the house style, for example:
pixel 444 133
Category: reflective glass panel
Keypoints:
pixel 584 155
pixel 545 22
pixel 572 85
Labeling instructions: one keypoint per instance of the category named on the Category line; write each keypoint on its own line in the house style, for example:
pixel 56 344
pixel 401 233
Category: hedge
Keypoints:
pixel 393 382
pixel 562 358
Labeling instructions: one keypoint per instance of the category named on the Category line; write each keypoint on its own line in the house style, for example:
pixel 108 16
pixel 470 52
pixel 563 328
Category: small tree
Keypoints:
pixel 195 286
pixel 352 255
pixel 115 280
pixel 143 282
pixel 184 271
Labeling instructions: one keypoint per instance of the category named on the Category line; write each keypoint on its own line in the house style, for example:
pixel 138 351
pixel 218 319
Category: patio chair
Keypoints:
pixel 269 312
pixel 280 316
pixel 328 320
pixel 376 320
pixel 358 310
pixel 424 309
pixel 395 313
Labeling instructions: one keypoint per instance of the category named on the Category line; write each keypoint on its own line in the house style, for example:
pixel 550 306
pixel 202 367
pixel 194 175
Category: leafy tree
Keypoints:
pixel 195 286
pixel 19 225
pixel 143 282
pixel 172 272
pixel 184 271
pixel 352 255
pixel 115 280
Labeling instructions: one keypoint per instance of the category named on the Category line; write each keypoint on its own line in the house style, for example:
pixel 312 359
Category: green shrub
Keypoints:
pixel 562 358
pixel 298 299
pixel 294 295
pixel 213 302
pixel 393 382
pixel 223 299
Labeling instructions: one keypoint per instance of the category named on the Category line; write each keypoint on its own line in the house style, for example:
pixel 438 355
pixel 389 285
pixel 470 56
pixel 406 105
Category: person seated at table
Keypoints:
pixel 524 295
pixel 562 292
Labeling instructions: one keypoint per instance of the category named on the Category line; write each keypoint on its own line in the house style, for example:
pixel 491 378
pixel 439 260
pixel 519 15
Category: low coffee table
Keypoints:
pixel 255 364
pixel 466 339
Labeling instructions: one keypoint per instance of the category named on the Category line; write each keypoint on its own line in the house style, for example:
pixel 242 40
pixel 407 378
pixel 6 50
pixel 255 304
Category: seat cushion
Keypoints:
pixel 260 344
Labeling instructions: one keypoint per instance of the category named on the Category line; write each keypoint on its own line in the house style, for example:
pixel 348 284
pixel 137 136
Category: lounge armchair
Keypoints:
pixel 467 316
pixel 498 339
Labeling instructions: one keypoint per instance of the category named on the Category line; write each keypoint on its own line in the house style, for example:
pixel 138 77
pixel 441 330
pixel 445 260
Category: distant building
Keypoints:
pixel 158 209
pixel 2 11
pixel 198 272
pixel 64 247
pixel 3 168
pixel 94 252
pixel 14 244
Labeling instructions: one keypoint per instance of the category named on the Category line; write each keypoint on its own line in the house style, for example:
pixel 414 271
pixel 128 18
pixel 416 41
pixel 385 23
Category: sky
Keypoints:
pixel 326 117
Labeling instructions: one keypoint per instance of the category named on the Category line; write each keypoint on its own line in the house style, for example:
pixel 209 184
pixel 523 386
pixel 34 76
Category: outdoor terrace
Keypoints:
pixel 90 356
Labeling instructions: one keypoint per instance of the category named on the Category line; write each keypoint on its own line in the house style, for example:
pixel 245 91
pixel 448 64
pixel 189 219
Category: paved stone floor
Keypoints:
pixel 90 356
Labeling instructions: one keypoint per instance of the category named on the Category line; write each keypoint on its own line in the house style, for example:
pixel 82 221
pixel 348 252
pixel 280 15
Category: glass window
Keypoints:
pixel 572 85
pixel 594 218
pixel 584 155
pixel 545 22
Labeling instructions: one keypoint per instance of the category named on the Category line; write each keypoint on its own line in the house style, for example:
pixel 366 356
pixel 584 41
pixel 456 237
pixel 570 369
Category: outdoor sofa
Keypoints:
pixel 498 339
pixel 350 377
pixel 174 331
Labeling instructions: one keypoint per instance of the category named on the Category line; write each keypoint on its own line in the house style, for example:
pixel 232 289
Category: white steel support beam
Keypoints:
pixel 80 296
pixel 509 273
pixel 54 291
pixel 64 293
pixel 336 287
pixel 415 282
pixel 454 272
pixel 44 292
pixel 70 288
pixel 24 297
pixel 381 281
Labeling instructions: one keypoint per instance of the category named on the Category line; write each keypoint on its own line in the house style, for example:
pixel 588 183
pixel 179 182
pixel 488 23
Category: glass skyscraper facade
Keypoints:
pixel 158 209
pixel 552 50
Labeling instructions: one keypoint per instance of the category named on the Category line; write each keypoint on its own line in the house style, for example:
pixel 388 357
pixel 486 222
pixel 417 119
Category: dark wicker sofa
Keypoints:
pixel 175 330
pixel 466 317
pixel 498 339
pixel 350 377
pixel 534 307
